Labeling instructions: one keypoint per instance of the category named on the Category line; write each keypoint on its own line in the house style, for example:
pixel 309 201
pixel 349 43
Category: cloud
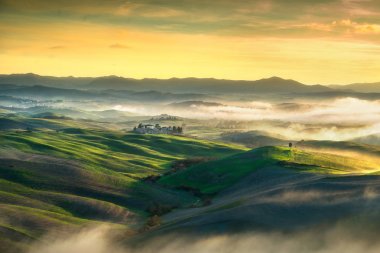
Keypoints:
pixel 196 13
pixel 346 26
pixel 366 8
pixel 57 47
pixel 119 46
pixel 162 13
pixel 167 38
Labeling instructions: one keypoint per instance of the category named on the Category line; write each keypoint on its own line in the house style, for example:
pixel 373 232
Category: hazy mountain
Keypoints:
pixel 49 115
pixel 113 114
pixel 333 94
pixel 38 91
pixel 182 85
pixel 292 107
pixel 31 79
pixel 155 96
pixel 373 139
pixel 189 104
pixel 46 110
pixel 206 85
pixel 15 92
pixel 10 99
pixel 359 87
pixel 176 89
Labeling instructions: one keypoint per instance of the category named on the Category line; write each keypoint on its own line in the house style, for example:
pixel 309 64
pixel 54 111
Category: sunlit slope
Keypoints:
pixel 214 176
pixel 63 180
pixel 125 153
pixel 276 188
pixel 346 147
pixel 372 139
pixel 48 121
pixel 254 139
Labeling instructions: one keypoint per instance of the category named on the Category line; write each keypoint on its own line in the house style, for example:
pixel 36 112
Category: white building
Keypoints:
pixel 157 129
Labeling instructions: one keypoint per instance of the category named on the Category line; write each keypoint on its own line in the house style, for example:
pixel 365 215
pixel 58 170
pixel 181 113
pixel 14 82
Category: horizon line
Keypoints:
pixel 190 77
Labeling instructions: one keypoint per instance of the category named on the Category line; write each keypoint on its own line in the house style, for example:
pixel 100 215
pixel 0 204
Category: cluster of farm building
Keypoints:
pixel 157 129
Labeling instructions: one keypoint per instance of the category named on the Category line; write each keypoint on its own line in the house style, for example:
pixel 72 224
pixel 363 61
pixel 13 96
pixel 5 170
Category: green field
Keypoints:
pixel 62 175
pixel 214 176
pixel 64 180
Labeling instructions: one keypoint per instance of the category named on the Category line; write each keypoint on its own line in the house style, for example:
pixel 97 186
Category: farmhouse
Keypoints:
pixel 157 129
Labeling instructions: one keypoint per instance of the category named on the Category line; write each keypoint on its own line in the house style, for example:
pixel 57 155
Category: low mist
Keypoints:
pixel 338 239
pixel 338 119
pixel 347 110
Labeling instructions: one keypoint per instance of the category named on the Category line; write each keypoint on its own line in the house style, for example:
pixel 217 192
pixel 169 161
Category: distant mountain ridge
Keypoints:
pixel 182 85
pixel 9 92
pixel 31 79
pixel 206 85
pixel 359 87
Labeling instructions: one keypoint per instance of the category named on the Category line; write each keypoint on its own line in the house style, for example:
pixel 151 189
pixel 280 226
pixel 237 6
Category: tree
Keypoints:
pixel 140 125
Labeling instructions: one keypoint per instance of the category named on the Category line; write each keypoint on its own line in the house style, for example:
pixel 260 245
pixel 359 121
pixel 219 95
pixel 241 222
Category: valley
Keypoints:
pixel 74 161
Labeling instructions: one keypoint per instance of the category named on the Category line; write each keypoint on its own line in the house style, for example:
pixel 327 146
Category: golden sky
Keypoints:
pixel 314 41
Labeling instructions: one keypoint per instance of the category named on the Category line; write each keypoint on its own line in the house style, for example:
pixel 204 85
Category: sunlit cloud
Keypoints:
pixel 57 47
pixel 118 45
pixel 311 41
pixel 345 26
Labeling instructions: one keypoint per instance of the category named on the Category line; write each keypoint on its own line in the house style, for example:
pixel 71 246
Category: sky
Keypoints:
pixel 313 41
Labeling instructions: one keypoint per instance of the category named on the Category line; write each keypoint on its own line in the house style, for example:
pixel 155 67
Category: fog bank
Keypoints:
pixel 337 239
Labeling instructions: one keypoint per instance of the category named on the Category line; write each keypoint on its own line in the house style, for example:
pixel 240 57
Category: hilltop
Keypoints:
pixel 275 189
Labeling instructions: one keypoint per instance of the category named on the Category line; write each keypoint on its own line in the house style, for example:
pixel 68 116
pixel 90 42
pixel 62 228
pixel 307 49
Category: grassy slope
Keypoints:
pixel 75 177
pixel 254 139
pixel 214 176
pixel 62 180
pixel 373 139
pixel 133 154
pixel 17 121
pixel 344 146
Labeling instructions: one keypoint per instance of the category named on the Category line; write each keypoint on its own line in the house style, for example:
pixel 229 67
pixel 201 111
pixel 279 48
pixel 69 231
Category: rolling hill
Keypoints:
pixel 275 189
pixel 214 176
pixel 67 175
pixel 253 138
pixel 372 139
pixel 65 180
